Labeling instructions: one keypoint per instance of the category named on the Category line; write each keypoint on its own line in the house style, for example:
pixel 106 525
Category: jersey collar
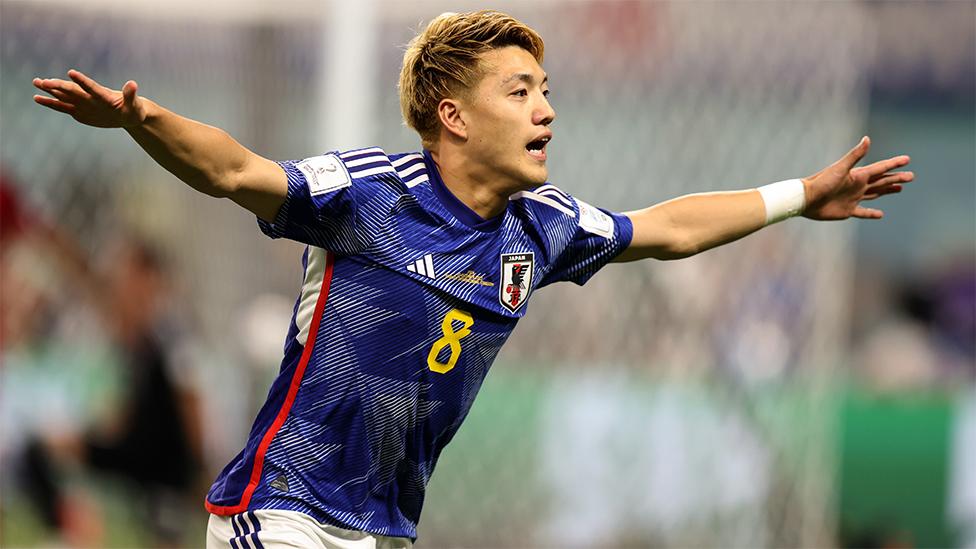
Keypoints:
pixel 458 209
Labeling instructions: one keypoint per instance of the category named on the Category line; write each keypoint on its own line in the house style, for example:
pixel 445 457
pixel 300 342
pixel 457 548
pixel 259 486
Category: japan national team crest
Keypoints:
pixel 516 280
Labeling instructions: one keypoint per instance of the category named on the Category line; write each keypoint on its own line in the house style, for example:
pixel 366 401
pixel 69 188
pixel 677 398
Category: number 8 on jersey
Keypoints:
pixel 451 338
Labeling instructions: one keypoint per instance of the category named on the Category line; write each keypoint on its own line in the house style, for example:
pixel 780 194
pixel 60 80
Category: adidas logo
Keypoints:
pixel 423 266
pixel 280 483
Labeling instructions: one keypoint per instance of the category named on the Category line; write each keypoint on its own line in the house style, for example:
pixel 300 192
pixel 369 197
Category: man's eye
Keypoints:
pixel 522 93
pixel 546 93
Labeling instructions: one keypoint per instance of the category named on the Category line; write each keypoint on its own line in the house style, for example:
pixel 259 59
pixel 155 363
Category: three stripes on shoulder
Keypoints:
pixel 373 161
pixel 549 195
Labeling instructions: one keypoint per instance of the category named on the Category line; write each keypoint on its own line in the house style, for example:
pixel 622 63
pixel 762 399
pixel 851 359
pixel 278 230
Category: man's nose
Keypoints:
pixel 544 114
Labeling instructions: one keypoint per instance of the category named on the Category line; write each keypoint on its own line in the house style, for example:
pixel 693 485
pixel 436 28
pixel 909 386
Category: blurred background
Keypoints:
pixel 810 386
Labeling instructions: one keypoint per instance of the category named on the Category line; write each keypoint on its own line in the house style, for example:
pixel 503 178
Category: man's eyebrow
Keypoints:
pixel 524 77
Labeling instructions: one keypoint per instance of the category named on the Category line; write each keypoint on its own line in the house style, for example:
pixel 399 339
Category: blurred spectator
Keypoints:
pixel 152 438
pixel 22 303
pixel 926 337
pixel 944 301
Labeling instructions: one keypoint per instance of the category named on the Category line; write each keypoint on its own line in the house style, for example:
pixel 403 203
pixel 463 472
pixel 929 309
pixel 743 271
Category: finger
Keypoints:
pixel 54 104
pixel 51 83
pixel 86 83
pixel 45 84
pixel 894 177
pixel 39 84
pixel 887 165
pixel 58 94
pixel 129 93
pixel 878 193
pixel 867 213
pixel 48 84
pixel 857 153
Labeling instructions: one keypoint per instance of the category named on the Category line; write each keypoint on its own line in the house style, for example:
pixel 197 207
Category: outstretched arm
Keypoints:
pixel 204 157
pixel 690 224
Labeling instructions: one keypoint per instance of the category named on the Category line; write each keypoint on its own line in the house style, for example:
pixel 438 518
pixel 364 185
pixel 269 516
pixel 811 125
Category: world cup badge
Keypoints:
pixel 516 280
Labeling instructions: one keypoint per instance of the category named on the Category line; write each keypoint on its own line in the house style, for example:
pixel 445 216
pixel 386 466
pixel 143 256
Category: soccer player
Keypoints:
pixel 417 269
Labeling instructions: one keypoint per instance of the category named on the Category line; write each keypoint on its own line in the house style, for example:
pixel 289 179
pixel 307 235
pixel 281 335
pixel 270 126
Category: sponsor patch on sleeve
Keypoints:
pixel 324 174
pixel 594 221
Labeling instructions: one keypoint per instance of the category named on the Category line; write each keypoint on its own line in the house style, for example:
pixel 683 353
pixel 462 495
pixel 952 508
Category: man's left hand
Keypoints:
pixel 836 191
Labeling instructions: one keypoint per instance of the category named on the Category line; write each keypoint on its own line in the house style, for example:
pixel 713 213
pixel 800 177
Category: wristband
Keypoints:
pixel 783 199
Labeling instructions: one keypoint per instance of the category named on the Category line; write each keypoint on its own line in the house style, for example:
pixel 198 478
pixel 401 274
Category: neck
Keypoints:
pixel 472 184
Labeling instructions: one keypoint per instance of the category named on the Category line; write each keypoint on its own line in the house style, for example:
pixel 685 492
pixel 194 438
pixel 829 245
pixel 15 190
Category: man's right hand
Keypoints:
pixel 91 103
pixel 204 157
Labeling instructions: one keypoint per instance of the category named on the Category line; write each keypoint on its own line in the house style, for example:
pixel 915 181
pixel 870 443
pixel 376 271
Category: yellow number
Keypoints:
pixel 451 338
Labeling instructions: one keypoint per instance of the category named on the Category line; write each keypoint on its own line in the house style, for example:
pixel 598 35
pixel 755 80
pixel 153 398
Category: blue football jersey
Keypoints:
pixel 407 298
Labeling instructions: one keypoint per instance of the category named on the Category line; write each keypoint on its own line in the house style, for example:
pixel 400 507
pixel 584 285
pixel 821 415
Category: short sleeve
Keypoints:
pixel 325 207
pixel 598 237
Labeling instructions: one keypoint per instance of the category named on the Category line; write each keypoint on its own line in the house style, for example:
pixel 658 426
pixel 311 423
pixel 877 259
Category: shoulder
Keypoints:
pixel 549 199
pixel 551 202
pixel 338 169
pixel 409 167
pixel 373 161
pixel 362 164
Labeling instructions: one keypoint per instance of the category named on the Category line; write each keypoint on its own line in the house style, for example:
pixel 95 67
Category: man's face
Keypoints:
pixel 508 117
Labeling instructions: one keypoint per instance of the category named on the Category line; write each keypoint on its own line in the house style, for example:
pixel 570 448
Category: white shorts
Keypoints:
pixel 274 529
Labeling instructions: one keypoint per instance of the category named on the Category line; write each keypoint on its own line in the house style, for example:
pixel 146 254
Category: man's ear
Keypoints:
pixel 449 113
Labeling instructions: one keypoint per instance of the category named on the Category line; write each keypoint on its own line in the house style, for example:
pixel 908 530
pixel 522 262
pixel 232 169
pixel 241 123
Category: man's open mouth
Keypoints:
pixel 537 148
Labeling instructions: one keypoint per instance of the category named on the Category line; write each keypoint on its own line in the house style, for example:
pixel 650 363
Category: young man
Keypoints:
pixel 417 269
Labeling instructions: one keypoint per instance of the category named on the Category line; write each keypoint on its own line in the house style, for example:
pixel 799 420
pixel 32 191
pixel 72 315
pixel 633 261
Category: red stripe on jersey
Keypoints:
pixel 296 381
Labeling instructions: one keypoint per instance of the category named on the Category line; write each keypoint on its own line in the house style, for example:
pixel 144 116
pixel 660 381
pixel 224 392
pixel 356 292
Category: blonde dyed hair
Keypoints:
pixel 444 60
